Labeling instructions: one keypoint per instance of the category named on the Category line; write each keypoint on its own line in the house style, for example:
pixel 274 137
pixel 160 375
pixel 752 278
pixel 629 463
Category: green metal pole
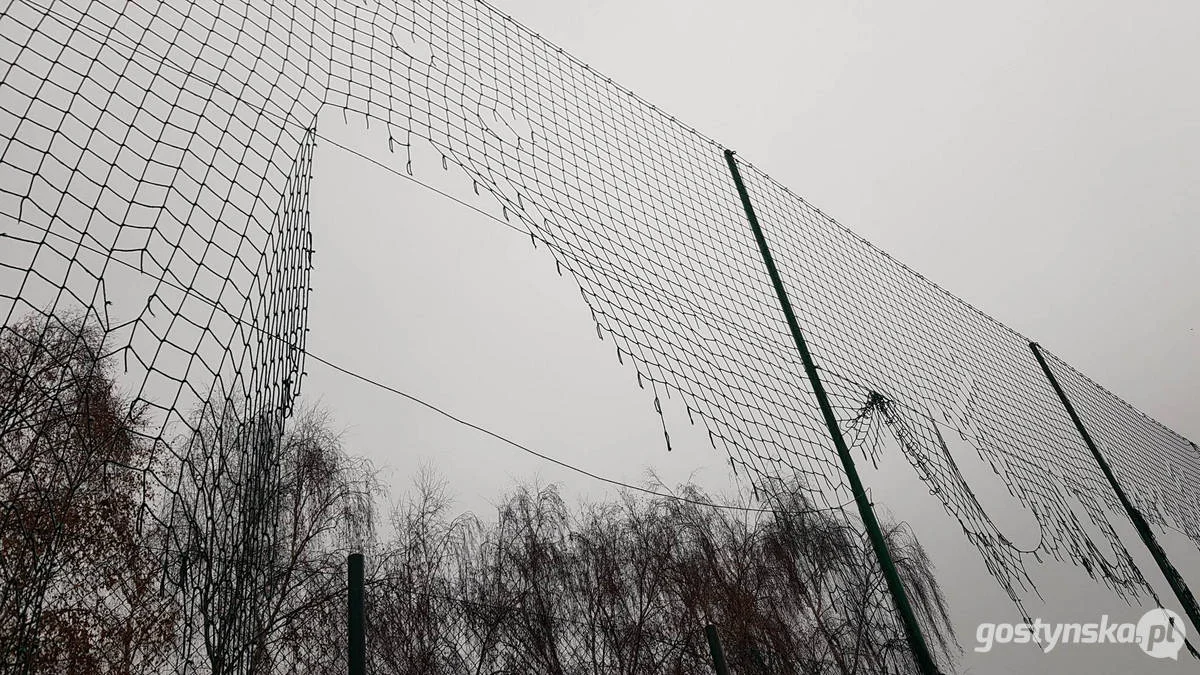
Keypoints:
pixel 912 629
pixel 1178 585
pixel 358 639
pixel 714 646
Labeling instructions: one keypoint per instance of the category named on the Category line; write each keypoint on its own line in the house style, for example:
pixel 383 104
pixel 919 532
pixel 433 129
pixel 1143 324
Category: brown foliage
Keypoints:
pixel 242 567
pixel 79 586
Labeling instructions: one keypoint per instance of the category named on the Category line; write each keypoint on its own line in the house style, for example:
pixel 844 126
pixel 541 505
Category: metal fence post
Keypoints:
pixel 912 629
pixel 357 658
pixel 714 646
pixel 1178 585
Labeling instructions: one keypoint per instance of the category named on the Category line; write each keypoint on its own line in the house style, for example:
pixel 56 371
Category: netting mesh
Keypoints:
pixel 155 173
pixel 900 352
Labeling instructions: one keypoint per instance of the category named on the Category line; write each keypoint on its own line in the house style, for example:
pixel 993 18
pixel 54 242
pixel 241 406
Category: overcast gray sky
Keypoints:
pixel 1040 160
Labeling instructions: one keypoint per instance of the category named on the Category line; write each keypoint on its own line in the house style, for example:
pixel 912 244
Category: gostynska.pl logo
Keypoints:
pixel 1160 633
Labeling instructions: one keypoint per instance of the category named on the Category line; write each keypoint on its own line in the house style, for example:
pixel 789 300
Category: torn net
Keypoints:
pixel 155 174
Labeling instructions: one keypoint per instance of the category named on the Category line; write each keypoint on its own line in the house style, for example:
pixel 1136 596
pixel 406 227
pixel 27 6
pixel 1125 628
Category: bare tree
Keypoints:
pixel 415 578
pixel 79 577
pixel 832 577
pixel 627 587
pixel 244 570
pixel 261 525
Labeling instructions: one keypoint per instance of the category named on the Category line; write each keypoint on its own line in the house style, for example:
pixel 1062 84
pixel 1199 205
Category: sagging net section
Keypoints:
pixel 155 175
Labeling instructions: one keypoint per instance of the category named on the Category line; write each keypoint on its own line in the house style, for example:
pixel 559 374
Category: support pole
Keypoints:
pixel 714 646
pixel 1182 592
pixel 357 657
pixel 908 618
